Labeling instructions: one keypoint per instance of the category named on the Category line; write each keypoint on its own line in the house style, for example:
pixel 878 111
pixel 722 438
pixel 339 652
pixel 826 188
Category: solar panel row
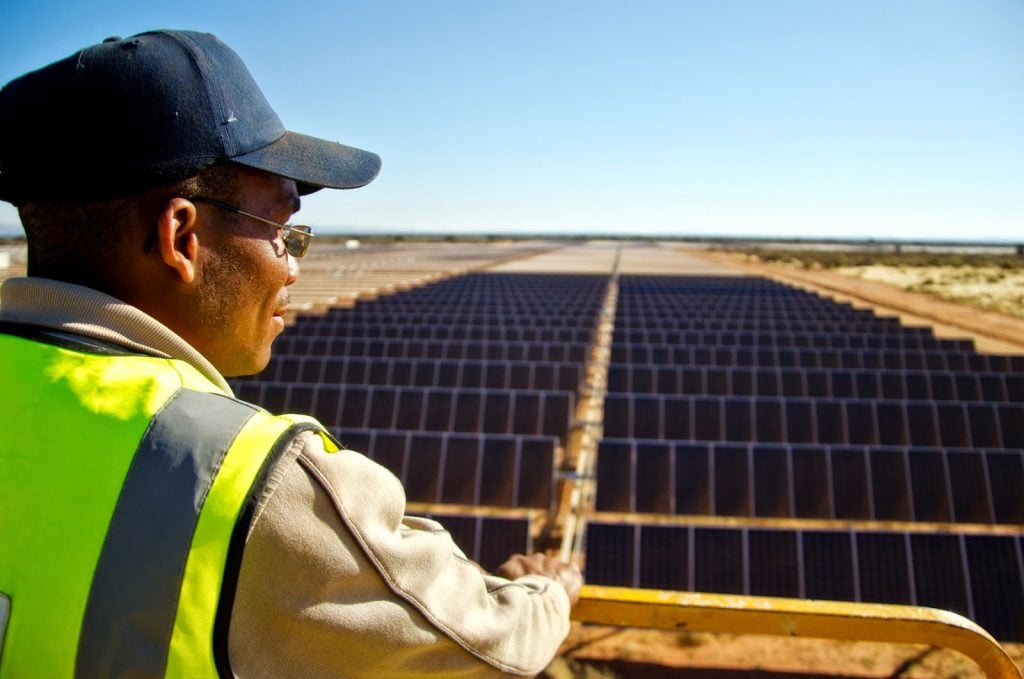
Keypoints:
pixel 791 357
pixel 488 540
pixel 814 482
pixel 464 469
pixel 446 332
pixel 367 314
pixel 723 308
pixel 980 576
pixel 625 327
pixel 295 345
pixel 994 387
pixel 423 373
pixel 790 339
pixel 446 304
pixel 495 411
pixel 818 420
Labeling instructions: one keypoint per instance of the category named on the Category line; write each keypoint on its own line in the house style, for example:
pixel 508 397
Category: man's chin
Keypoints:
pixel 255 364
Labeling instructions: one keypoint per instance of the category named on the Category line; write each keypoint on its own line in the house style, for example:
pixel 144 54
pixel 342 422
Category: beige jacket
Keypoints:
pixel 336 581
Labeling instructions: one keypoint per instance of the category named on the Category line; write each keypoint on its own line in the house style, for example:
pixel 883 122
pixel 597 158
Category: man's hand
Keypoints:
pixel 568 575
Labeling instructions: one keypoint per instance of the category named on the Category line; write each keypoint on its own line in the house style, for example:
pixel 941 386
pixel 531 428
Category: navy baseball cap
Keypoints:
pixel 131 114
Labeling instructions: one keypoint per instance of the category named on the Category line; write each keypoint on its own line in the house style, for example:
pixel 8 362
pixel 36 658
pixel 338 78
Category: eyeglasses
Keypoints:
pixel 296 236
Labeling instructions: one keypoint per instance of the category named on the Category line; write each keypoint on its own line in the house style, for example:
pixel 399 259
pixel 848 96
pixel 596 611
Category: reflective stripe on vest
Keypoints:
pixel 167 554
pixel 129 617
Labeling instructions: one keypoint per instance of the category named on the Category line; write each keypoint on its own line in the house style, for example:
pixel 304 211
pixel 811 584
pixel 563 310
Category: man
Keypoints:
pixel 150 523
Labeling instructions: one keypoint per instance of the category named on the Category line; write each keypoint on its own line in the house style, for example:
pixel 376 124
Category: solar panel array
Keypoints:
pixel 465 389
pixel 737 399
pixel 754 434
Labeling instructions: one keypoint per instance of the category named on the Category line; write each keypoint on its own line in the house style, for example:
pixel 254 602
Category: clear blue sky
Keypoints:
pixel 795 118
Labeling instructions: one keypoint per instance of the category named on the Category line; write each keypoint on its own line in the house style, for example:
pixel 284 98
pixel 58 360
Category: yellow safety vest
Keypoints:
pixel 127 483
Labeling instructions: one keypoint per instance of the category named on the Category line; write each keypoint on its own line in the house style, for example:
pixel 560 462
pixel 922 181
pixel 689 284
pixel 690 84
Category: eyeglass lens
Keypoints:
pixel 296 240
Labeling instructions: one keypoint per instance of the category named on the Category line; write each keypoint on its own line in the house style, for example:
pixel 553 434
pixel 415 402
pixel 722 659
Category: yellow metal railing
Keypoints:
pixel 735 614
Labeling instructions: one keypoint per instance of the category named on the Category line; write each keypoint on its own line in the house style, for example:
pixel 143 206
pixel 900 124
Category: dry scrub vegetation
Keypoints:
pixel 993 282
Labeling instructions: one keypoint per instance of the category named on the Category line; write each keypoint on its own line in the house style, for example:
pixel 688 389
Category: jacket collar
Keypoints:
pixel 91 313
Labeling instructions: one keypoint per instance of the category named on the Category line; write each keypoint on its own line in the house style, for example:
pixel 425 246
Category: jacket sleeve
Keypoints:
pixel 336 581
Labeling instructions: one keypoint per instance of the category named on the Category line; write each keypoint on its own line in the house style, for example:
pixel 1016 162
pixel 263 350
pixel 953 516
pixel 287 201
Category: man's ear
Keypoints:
pixel 176 239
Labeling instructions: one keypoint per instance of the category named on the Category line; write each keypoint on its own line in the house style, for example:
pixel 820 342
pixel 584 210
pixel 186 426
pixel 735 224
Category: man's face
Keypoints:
pixel 243 272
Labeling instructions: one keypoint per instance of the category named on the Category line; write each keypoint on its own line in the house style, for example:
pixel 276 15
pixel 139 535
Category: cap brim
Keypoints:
pixel 314 163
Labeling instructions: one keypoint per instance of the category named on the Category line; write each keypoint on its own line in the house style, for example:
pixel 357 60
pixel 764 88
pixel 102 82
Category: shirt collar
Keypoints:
pixel 84 311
